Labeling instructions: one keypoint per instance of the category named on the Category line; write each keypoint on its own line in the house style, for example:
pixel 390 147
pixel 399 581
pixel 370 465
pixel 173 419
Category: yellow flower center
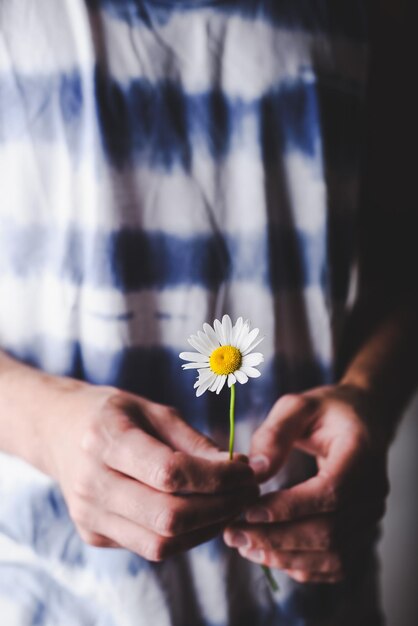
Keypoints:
pixel 225 360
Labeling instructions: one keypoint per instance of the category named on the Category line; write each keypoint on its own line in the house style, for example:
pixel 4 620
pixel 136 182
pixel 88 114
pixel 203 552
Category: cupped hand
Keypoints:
pixel 135 475
pixel 321 528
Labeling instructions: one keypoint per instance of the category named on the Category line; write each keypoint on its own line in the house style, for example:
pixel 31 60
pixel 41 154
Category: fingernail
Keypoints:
pixel 237 539
pixel 258 514
pixel 255 555
pixel 259 463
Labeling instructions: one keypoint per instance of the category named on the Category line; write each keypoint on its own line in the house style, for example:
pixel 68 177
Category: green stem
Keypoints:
pixel 232 422
pixel 270 578
pixel 274 586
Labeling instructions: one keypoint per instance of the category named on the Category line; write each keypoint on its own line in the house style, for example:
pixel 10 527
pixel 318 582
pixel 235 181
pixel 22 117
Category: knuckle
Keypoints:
pixel 162 477
pixel 169 476
pixel 155 550
pixel 332 563
pixel 291 402
pixel 167 522
pixel 172 413
pixel 115 415
pixel 92 439
pixel 81 514
pixel 324 535
pixel 92 539
pixel 330 498
pixel 301 576
pixel 113 399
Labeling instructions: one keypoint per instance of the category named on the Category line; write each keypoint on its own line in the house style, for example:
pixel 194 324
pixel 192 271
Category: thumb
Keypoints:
pixel 273 440
pixel 179 435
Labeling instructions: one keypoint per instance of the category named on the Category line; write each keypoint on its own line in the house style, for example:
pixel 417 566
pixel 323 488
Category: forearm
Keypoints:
pixel 385 367
pixel 379 352
pixel 29 400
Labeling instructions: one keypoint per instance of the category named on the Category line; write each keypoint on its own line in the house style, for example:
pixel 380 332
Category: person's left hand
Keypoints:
pixel 317 530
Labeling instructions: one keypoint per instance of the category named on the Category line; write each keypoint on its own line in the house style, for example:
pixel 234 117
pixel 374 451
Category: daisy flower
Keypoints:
pixel 224 354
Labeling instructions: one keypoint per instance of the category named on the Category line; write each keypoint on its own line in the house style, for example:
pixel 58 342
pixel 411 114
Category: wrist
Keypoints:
pixel 31 403
pixel 370 408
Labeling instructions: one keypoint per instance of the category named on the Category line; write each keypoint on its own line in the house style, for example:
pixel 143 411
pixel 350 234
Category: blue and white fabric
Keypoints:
pixel 163 162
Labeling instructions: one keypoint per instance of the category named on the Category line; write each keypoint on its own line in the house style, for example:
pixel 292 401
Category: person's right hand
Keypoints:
pixel 135 475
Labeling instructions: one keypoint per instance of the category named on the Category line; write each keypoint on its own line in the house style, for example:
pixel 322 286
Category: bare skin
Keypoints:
pixel 317 531
pixel 133 473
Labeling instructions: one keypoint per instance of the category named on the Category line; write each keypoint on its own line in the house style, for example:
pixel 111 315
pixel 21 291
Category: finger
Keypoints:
pixel 145 542
pixel 179 435
pixel 272 441
pixel 325 533
pixel 319 562
pixel 140 456
pixel 324 493
pixel 309 498
pixel 171 515
pixel 161 422
pixel 313 534
pixel 303 576
pixel 96 540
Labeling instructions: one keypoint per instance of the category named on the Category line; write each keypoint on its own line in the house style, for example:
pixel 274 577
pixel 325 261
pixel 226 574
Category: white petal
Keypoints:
pixel 252 336
pixel 198 345
pixel 242 335
pixel 205 340
pixel 231 380
pixel 193 356
pixel 215 383
pixel 219 332
pixel 250 371
pixel 255 358
pixel 221 383
pixel 241 377
pixel 227 328
pixel 193 366
pixel 204 371
pixel 205 386
pixel 253 345
pixel 236 330
pixel 211 335
pixel 203 376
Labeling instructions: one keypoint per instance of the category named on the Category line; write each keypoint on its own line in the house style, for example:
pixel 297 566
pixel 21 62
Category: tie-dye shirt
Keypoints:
pixel 163 162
